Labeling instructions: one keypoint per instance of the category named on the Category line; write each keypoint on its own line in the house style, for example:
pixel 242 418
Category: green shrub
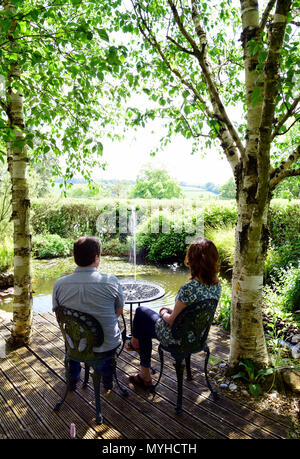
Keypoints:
pixel 6 254
pixel 66 217
pixel 114 246
pixel 284 233
pixel 284 292
pixel 222 315
pixel 71 218
pixel 50 246
pixel 218 213
pixel 161 247
pixel 224 239
pixel 291 288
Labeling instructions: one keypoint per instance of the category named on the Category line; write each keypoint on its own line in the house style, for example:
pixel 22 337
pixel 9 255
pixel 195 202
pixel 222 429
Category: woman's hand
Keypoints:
pixel 163 310
pixel 168 315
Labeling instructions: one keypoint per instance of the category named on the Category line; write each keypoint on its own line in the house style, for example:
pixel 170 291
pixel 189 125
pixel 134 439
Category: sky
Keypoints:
pixel 126 158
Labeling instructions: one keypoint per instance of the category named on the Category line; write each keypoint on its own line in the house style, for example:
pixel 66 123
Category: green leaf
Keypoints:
pixel 255 389
pixel 262 56
pixel 103 34
pixel 241 374
pixel 265 372
pixel 5 25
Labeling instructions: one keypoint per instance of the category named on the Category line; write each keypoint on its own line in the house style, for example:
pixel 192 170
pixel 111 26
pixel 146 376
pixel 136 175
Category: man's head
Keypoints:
pixel 87 251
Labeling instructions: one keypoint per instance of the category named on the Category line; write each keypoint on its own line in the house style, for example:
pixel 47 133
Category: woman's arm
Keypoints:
pixel 168 315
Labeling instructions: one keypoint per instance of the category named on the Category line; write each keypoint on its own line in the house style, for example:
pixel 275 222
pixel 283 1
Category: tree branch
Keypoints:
pixel 283 170
pixel 284 175
pixel 181 27
pixel 271 70
pixel 265 15
pixel 289 113
pixel 184 50
pixel 190 128
pixel 214 94
pixel 227 142
pixel 3 105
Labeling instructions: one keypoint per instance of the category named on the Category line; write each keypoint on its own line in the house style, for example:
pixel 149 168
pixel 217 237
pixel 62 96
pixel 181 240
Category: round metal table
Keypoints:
pixel 140 291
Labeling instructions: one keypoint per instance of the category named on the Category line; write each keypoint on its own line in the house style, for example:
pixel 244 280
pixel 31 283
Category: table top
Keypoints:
pixel 140 291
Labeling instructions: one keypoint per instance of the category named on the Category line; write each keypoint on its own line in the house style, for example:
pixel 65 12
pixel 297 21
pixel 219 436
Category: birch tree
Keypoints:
pixel 201 61
pixel 54 58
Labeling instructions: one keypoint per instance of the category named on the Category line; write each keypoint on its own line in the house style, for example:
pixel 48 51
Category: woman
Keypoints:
pixel 203 261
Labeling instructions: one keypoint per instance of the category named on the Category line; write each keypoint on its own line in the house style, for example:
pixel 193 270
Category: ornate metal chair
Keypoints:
pixel 191 327
pixel 81 333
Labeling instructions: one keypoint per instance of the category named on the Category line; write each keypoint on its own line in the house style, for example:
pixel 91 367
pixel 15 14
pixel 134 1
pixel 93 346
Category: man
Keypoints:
pixel 98 294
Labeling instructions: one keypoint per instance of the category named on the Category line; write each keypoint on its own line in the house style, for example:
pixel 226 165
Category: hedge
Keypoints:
pixel 71 218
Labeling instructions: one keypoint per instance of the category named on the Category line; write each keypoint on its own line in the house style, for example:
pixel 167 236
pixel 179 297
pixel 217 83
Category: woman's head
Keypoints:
pixel 202 258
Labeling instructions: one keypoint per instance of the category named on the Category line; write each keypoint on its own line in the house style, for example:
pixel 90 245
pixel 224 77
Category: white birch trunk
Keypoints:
pixel 17 166
pixel 253 191
pixel 247 339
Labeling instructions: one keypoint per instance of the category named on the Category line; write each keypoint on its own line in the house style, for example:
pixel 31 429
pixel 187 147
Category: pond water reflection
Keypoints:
pixel 45 273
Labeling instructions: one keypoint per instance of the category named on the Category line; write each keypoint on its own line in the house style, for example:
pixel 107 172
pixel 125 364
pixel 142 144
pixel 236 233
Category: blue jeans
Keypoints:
pixel 143 328
pixel 104 366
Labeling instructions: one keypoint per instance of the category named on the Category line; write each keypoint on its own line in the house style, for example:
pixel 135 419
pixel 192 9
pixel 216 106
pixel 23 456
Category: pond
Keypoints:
pixel 45 273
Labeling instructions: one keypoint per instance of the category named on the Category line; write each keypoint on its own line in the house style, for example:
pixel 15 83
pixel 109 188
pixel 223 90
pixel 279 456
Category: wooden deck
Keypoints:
pixel 32 381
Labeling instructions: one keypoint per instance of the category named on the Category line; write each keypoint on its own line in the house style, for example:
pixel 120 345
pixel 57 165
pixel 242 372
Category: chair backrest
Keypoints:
pixel 192 326
pixel 81 332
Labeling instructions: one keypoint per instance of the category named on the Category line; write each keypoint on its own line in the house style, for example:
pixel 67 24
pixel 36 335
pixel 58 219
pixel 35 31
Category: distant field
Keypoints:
pixel 196 193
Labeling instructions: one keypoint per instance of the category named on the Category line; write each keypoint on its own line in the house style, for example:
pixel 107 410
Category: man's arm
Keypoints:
pixel 54 297
pixel 119 301
pixel 119 311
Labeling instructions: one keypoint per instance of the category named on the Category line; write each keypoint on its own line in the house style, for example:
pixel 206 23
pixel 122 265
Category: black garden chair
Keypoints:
pixel 191 327
pixel 81 333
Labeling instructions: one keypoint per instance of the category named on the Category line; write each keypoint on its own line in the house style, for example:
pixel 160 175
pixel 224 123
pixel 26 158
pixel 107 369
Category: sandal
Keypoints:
pixel 129 347
pixel 139 381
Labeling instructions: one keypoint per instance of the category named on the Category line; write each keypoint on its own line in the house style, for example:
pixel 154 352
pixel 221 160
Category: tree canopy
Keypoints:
pixel 66 62
pixel 155 183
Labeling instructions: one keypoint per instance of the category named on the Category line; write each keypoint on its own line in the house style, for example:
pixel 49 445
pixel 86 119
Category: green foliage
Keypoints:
pixel 64 54
pixel 222 315
pixel 6 253
pixel 228 190
pixel 65 217
pixel 288 189
pixel 97 191
pixel 155 183
pixel 284 235
pixel 224 239
pixel 51 246
pixel 113 246
pixel 284 291
pixel 162 247
pixel 219 213
pixel 252 377
pixel 5 199
pixel 70 218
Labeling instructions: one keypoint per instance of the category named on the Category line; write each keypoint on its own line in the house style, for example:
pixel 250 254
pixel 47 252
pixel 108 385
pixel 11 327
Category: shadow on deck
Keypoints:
pixel 32 381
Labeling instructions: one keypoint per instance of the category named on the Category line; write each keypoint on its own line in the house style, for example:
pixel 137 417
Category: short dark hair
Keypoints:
pixel 85 250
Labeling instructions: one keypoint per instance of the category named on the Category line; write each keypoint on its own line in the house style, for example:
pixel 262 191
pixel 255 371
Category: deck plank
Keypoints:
pixel 32 381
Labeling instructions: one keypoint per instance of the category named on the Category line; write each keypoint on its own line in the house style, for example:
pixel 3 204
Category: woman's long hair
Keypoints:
pixel 202 258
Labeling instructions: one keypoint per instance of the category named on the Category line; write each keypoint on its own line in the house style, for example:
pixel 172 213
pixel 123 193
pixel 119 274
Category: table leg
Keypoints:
pixel 130 320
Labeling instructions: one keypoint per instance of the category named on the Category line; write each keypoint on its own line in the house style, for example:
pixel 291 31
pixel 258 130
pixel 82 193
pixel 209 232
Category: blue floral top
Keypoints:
pixel 190 293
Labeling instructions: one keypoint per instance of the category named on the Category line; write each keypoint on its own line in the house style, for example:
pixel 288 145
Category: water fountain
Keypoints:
pixel 138 291
pixel 132 229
